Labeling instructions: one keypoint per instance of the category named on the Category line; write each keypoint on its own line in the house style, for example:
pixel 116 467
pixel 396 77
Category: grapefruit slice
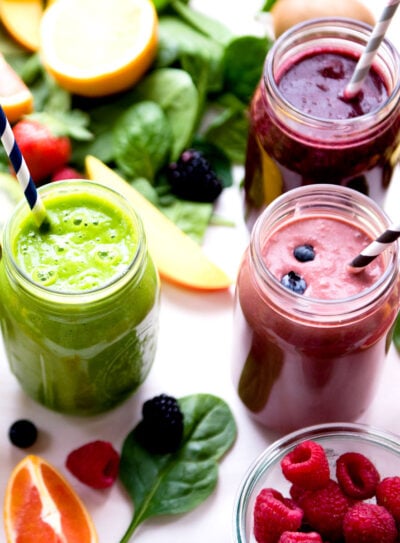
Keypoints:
pixel 40 506
pixel 177 257
pixel 15 97
pixel 21 18
pixel 98 47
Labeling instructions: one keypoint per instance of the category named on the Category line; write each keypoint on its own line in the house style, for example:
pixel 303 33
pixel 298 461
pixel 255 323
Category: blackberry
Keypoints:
pixel 23 433
pixel 161 428
pixel 293 281
pixel 192 178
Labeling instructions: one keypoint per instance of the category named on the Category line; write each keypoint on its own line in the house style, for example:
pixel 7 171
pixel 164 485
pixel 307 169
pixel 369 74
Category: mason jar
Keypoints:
pixel 301 359
pixel 303 132
pixel 84 344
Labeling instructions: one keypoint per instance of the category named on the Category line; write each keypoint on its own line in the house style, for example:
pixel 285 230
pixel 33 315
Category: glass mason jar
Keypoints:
pixel 300 360
pixel 80 351
pixel 289 146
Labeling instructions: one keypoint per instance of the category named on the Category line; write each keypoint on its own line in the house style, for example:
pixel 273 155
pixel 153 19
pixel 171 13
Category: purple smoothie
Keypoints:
pixel 303 132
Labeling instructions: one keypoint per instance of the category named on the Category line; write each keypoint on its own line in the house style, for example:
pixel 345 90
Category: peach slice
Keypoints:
pixel 178 258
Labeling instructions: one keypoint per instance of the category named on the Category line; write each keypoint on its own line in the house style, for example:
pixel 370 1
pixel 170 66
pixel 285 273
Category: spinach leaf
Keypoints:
pixel 174 91
pixel 142 140
pixel 243 60
pixel 177 483
pixel 192 218
pixel 268 5
pixel 396 334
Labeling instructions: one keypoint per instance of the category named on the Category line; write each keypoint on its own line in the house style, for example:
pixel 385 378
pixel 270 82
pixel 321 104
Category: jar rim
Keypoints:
pixel 310 307
pixel 317 27
pixel 115 283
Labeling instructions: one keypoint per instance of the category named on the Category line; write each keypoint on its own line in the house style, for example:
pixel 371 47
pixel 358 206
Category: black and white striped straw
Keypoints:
pixel 364 63
pixel 375 248
pixel 21 170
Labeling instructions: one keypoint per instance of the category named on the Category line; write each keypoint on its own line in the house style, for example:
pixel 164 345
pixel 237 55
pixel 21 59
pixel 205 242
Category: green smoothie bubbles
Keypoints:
pixel 79 301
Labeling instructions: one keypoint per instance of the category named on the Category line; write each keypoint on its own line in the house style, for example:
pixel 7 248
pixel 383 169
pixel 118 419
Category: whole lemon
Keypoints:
pixel 287 13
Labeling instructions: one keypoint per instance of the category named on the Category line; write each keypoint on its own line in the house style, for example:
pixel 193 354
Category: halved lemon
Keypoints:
pixel 98 47
pixel 21 18
pixel 40 506
pixel 15 97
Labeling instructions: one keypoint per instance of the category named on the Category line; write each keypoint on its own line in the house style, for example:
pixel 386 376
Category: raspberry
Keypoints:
pixel 388 495
pixel 192 178
pixel 324 510
pixel 273 515
pixel 357 475
pixel 66 172
pixel 23 433
pixel 95 464
pixel 369 523
pixel 306 466
pixel 300 537
pixel 161 428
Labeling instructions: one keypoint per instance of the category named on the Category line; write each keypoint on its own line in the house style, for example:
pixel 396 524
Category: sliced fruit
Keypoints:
pixel 10 194
pixel 22 18
pixel 40 506
pixel 15 97
pixel 178 258
pixel 98 47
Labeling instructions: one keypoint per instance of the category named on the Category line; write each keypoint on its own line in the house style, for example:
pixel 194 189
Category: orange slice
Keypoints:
pixel 177 257
pixel 15 97
pixel 98 47
pixel 40 506
pixel 21 18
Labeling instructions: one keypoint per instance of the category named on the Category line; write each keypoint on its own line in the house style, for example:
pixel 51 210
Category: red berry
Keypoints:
pixel 324 510
pixel 306 466
pixel 95 464
pixel 273 515
pixel 66 172
pixel 44 153
pixel 388 495
pixel 357 475
pixel 369 523
pixel 300 537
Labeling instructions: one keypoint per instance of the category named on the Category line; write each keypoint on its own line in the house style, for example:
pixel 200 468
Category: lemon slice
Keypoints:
pixel 21 18
pixel 98 47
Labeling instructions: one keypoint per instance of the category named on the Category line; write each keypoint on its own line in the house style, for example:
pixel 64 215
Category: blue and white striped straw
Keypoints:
pixel 21 169
pixel 375 248
pixel 365 60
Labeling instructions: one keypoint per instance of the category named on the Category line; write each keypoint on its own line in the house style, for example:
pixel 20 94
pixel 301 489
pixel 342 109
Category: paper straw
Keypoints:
pixel 364 63
pixel 21 169
pixel 375 248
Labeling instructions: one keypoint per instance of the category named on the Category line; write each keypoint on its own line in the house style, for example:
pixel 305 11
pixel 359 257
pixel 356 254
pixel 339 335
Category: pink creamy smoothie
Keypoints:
pixel 334 243
pixel 315 356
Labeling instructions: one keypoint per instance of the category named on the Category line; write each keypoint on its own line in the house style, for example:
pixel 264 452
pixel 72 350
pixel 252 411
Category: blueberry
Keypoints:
pixel 23 433
pixel 294 282
pixel 304 253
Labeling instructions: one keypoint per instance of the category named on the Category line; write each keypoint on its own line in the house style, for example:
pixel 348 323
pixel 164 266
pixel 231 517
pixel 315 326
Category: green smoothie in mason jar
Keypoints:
pixel 79 300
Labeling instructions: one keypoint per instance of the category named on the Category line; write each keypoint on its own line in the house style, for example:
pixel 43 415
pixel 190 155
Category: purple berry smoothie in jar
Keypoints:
pixel 301 129
pixel 311 336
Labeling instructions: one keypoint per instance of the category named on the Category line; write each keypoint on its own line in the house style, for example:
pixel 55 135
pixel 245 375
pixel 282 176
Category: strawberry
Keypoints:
pixel 95 464
pixel 44 152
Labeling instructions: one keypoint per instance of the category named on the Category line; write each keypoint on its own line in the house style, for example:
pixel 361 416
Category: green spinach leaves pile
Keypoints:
pixel 195 95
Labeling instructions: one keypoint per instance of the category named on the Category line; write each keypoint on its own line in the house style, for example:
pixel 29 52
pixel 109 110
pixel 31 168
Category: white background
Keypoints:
pixel 194 353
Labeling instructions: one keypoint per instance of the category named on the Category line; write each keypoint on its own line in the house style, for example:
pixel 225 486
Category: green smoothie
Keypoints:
pixel 80 300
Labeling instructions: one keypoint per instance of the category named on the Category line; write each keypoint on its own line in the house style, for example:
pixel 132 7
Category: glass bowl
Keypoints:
pixel 382 448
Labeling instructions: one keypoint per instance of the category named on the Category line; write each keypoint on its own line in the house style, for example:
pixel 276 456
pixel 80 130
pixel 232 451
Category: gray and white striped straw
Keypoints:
pixel 364 63
pixel 375 248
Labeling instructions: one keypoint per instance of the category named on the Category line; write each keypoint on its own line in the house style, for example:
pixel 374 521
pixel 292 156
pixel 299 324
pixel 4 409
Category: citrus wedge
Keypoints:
pixel 10 194
pixel 40 506
pixel 21 18
pixel 98 47
pixel 15 97
pixel 178 258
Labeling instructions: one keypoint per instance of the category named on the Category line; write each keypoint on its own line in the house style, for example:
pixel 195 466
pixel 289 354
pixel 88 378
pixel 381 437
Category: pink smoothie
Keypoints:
pixel 313 357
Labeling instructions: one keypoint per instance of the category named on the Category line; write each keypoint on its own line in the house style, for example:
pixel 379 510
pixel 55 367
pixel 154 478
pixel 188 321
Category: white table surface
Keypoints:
pixel 193 356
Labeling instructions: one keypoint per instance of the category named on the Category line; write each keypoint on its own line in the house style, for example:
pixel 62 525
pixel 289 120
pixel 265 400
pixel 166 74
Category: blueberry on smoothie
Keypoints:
pixel 293 281
pixel 304 253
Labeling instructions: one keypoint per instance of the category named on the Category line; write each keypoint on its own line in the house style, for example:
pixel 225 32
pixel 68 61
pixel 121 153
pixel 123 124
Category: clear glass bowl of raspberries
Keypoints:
pixel 336 483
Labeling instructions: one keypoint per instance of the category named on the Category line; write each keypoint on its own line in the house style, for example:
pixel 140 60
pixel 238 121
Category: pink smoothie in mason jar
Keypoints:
pixel 310 335
pixel 302 131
